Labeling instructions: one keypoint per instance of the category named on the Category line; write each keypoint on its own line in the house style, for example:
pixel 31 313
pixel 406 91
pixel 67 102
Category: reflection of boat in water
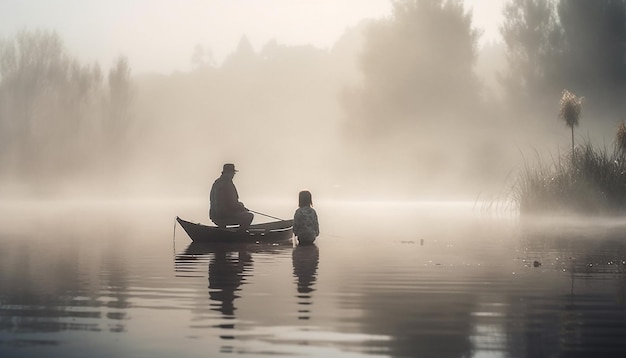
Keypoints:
pixel 275 231
pixel 199 253
pixel 206 248
pixel 305 259
pixel 229 265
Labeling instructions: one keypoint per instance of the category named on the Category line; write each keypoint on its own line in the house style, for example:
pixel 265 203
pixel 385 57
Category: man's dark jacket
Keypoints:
pixel 224 199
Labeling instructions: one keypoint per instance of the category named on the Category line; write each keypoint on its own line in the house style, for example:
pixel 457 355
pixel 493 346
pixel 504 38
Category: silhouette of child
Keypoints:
pixel 305 225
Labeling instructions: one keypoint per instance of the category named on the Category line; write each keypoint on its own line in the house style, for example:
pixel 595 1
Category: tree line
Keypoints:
pixel 419 81
pixel 57 115
pixel 567 44
pixel 411 91
pixel 418 63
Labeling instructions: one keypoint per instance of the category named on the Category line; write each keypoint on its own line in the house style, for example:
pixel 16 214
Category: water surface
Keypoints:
pixel 388 279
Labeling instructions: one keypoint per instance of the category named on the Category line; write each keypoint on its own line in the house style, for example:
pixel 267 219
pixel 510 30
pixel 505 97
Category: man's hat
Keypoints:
pixel 229 168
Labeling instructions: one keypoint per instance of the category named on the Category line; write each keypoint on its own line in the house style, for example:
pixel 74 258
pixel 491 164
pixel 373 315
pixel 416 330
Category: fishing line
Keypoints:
pixel 269 216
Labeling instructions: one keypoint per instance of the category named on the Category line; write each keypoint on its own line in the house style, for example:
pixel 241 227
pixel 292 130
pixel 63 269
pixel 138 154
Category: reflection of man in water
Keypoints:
pixel 225 277
pixel 305 259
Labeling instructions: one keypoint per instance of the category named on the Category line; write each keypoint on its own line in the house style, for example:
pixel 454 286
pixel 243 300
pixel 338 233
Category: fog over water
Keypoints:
pixel 397 107
pixel 423 114
pixel 422 128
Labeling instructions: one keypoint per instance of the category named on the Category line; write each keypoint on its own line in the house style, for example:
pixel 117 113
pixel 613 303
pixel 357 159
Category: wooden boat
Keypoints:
pixel 275 231
pixel 198 248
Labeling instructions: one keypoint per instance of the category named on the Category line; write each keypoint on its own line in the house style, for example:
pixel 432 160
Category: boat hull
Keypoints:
pixel 277 231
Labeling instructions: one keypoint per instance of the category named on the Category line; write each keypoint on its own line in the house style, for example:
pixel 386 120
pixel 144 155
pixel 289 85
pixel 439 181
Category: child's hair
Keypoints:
pixel 304 199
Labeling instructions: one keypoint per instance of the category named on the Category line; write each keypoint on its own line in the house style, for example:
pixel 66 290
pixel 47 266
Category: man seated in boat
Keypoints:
pixel 225 207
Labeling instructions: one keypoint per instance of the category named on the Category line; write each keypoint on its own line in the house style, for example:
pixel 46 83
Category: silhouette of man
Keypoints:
pixel 225 207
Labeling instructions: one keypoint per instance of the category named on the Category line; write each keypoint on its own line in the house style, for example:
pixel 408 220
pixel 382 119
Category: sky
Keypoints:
pixel 161 35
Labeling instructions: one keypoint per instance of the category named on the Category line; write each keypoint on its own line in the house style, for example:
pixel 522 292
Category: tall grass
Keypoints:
pixel 588 180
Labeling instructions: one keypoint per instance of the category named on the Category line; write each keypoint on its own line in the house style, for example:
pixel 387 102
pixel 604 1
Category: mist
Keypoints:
pixel 406 107
pixel 468 190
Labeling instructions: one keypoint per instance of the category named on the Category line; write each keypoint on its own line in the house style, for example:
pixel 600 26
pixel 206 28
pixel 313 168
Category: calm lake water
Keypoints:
pixel 402 280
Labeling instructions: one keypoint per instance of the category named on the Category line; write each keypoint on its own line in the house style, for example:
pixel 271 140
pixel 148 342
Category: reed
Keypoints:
pixel 588 180
pixel 571 107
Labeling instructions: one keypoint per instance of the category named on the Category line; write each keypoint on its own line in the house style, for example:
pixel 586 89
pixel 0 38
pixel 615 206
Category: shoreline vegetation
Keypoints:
pixel 589 180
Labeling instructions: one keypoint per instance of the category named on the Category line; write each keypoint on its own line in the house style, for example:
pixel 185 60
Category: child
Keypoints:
pixel 305 225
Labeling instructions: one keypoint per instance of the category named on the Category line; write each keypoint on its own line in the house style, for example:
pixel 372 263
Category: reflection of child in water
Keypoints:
pixel 305 224
pixel 305 259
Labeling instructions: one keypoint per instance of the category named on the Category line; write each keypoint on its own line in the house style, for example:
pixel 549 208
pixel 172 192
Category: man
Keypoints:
pixel 225 207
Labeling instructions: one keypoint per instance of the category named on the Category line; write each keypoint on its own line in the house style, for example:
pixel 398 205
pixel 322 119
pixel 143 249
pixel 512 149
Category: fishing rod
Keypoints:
pixel 269 216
